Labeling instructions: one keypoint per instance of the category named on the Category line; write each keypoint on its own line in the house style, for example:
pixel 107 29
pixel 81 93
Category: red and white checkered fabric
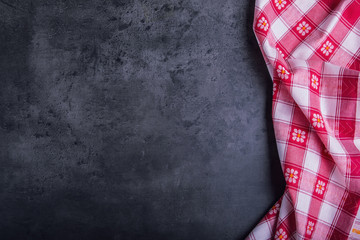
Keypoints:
pixel 311 48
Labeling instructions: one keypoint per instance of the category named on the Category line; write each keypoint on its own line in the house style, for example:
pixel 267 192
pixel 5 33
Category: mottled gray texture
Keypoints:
pixel 133 120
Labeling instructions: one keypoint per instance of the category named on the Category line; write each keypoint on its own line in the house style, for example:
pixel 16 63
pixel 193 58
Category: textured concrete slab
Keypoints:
pixel 133 120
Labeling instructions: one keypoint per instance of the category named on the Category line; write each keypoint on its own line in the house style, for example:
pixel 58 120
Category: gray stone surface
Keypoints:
pixel 133 120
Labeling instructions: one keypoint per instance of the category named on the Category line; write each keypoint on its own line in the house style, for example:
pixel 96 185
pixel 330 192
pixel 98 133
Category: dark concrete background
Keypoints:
pixel 133 120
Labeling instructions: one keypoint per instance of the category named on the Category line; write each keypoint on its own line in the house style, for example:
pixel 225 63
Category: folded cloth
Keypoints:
pixel 311 49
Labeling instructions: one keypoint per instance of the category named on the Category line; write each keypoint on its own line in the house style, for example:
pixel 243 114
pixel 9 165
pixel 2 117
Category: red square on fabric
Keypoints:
pixel 315 207
pixel 327 48
pixel 356 64
pixel 320 187
pixel 303 28
pixel 299 118
pixel 292 175
pixel 330 4
pixel 343 222
pixel 281 232
pixel 262 24
pixel 314 81
pixel 298 136
pixel 352 203
pixel 289 223
pixel 317 121
pixel 346 128
pixel 280 5
pixel 337 235
pixel 284 94
pixel 274 210
pixel 355 166
pixel 326 167
pixel 282 72
pixel 349 84
pixel 325 154
pixel 348 108
pixel 351 13
pixel 310 226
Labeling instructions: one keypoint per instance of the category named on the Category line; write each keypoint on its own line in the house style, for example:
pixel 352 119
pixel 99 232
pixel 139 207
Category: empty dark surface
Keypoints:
pixel 133 120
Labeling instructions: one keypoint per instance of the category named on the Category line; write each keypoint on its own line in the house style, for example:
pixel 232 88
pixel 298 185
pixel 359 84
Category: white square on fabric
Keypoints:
pixel 357 143
pixel 352 42
pixel 335 146
pixel 304 5
pixel 283 112
pixel 279 28
pixel 303 51
pixel 331 69
pixel 303 202
pixel 269 50
pixel 286 209
pixel 337 177
pixel 281 150
pixel 299 63
pixel 327 213
pixel 328 106
pixel 300 95
pixel 312 161
pixel 261 3
pixel 262 231
pixel 329 23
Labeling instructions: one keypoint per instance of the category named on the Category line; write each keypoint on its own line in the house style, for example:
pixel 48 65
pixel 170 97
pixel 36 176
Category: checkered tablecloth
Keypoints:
pixel 311 49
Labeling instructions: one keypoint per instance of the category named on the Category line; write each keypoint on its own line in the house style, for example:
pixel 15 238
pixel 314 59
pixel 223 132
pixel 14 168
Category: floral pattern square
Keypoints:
pixel 275 209
pixel 298 136
pixel 262 24
pixel 317 121
pixel 280 5
pixel 281 234
pixel 282 73
pixel 320 187
pixel 303 28
pixel 310 227
pixel 292 175
pixel 314 82
pixel 327 48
